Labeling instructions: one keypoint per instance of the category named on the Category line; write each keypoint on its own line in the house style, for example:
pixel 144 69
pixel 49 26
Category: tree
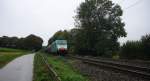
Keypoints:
pixel 32 42
pixel 146 45
pixel 59 35
pixel 132 50
pixel 136 49
pixel 4 41
pixel 10 42
pixel 100 25
pixel 20 43
pixel 73 34
pixel 13 42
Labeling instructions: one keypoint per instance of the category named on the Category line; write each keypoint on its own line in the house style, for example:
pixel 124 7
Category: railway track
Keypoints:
pixel 143 72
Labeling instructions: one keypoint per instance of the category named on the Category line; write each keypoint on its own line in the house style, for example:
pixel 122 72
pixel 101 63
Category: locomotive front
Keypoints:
pixel 61 47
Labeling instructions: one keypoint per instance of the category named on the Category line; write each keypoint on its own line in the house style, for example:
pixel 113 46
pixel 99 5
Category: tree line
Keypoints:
pixel 139 49
pixel 31 42
pixel 98 26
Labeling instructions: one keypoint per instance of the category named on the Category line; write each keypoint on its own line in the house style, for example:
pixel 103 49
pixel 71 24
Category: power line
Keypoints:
pixel 120 2
pixel 136 3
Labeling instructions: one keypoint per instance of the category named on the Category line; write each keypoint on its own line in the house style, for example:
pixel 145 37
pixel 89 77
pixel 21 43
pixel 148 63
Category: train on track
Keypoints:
pixel 58 47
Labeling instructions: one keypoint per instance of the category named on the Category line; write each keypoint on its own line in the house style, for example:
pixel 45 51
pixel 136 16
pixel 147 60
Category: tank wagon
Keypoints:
pixel 58 47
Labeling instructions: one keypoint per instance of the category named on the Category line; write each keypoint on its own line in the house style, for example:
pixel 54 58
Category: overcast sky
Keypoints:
pixel 45 17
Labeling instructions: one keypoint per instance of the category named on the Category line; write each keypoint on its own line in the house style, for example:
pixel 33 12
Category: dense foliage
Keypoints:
pixel 33 42
pixel 64 35
pixel 59 35
pixel 99 26
pixel 136 49
pixel 146 45
pixel 30 42
pixel 131 49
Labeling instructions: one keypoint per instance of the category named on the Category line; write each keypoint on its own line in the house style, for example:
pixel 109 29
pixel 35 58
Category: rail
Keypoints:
pixel 143 72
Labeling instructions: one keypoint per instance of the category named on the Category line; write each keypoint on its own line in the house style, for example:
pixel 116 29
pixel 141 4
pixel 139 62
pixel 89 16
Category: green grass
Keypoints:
pixel 64 70
pixel 10 50
pixel 40 69
pixel 7 55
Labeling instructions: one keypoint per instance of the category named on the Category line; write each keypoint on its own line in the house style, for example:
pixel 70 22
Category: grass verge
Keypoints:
pixel 40 69
pixel 64 70
pixel 7 55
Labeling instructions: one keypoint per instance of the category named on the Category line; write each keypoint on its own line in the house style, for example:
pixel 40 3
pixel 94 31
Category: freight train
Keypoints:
pixel 58 47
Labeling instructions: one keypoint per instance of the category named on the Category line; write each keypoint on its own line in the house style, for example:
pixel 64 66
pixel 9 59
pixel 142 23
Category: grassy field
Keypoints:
pixel 7 55
pixel 64 70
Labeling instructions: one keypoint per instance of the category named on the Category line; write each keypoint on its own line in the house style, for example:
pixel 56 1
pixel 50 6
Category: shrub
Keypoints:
pixel 132 50
pixel 146 45
pixel 136 49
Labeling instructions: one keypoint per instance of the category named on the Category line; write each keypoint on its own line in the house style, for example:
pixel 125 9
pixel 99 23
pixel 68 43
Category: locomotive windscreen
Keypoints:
pixel 61 42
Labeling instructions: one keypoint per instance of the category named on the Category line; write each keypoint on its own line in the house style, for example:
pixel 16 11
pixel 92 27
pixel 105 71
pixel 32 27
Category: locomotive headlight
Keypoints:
pixel 62 47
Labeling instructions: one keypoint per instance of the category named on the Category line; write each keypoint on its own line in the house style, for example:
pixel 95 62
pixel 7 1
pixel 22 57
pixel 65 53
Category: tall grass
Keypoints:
pixel 64 70
pixel 40 69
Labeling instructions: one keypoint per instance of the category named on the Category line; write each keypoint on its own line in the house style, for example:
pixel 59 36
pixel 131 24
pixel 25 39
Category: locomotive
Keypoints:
pixel 58 47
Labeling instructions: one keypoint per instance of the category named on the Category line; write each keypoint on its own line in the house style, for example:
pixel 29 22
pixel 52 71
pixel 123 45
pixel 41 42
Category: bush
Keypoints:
pixel 146 45
pixel 132 50
pixel 136 49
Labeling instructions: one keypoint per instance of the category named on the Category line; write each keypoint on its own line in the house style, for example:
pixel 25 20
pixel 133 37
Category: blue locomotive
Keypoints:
pixel 58 47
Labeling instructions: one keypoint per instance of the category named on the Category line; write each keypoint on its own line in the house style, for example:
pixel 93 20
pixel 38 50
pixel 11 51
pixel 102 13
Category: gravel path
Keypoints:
pixel 20 69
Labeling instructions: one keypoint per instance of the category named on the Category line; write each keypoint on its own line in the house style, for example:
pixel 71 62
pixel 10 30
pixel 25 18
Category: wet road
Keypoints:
pixel 20 69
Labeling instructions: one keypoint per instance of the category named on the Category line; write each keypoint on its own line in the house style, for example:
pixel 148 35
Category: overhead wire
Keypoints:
pixel 136 3
pixel 121 2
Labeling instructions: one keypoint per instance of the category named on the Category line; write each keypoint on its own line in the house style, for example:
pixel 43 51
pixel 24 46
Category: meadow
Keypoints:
pixel 8 54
